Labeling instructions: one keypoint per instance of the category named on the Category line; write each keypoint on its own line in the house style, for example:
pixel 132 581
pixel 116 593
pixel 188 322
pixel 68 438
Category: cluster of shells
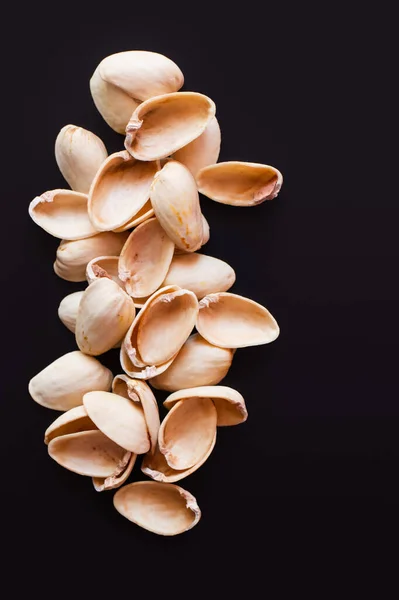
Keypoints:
pixel 130 226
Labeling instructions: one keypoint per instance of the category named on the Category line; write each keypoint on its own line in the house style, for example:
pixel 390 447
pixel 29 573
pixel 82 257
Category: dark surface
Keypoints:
pixel 321 445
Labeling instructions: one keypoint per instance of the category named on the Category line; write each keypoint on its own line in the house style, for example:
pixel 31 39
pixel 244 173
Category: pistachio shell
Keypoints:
pixel 104 316
pixel 104 266
pixel 79 154
pixel 63 383
pixel 120 189
pixel 198 363
pixel 230 405
pixel 203 151
pixel 239 183
pixel 175 201
pixel 142 215
pixel 63 214
pixel 187 432
pixel 73 256
pixel 200 273
pixel 68 310
pixel 124 79
pixel 144 371
pixel 145 259
pixel 164 509
pixel 118 477
pixel 162 125
pixel 206 233
pixel 120 419
pixel 232 321
pixel 72 421
pixel 88 453
pixel 139 391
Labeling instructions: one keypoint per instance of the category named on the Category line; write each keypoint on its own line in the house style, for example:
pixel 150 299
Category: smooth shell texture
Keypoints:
pixel 239 183
pixel 145 259
pixel 63 214
pixel 88 453
pixel 187 432
pixel 104 316
pixel 64 382
pixel 120 475
pixel 79 154
pixel 119 191
pixel 121 81
pixel 230 405
pixel 74 420
pixel 198 363
pixel 68 310
pixel 156 467
pixel 203 151
pixel 164 509
pixel 142 215
pixel 120 419
pixel 174 198
pixel 232 321
pixel 161 125
pixel 72 257
pixel 104 266
pixel 201 274
pixel 141 372
pixel 139 391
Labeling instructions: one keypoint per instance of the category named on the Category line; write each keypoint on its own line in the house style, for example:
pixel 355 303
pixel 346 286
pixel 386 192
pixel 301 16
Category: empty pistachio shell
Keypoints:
pixel 239 183
pixel 145 259
pixel 203 151
pixel 156 467
pixel 63 214
pixel 142 215
pixel 118 477
pixel 139 391
pixel 206 233
pixel 121 81
pixel 72 257
pixel 79 154
pixel 143 371
pixel 120 189
pixel 74 420
pixel 120 419
pixel 68 310
pixel 88 453
pixel 187 432
pixel 175 201
pixel 200 273
pixel 164 509
pixel 232 321
pixel 104 266
pixel 161 125
pixel 198 363
pixel 63 383
pixel 104 316
pixel 230 405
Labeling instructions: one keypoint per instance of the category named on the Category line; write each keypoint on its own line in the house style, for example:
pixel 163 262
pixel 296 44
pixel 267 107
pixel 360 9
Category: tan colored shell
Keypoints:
pixel 187 432
pixel 145 259
pixel 144 371
pixel 239 183
pixel 104 266
pixel 230 405
pixel 201 274
pixel 88 453
pixel 68 310
pixel 120 189
pixel 206 232
pixel 73 256
pixel 119 476
pixel 203 151
pixel 63 214
pixel 175 201
pixel 121 81
pixel 232 321
pixel 64 382
pixel 104 316
pixel 120 419
pixel 163 509
pixel 139 391
pixel 156 467
pixel 162 125
pixel 74 420
pixel 142 215
pixel 79 154
pixel 198 363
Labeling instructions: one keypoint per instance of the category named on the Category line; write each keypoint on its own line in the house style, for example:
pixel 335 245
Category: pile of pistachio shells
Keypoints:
pixel 131 226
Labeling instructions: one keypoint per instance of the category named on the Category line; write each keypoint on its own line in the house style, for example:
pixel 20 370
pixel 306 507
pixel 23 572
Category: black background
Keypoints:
pixel 320 450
